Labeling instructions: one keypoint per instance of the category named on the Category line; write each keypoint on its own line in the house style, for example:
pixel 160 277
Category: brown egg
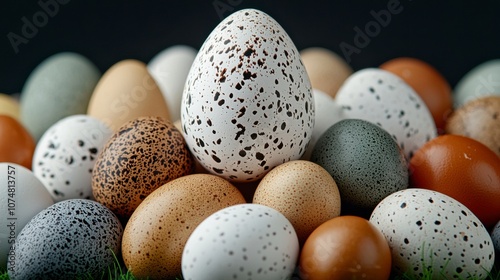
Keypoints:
pixel 303 192
pixel 478 119
pixel 326 70
pixel 16 144
pixel 141 156
pixel 157 232
pixel 126 92
pixel 345 247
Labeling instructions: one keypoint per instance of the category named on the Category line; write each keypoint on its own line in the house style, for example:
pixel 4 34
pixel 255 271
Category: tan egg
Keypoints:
pixel 9 106
pixel 126 92
pixel 327 71
pixel 478 119
pixel 157 232
pixel 303 192
pixel 141 156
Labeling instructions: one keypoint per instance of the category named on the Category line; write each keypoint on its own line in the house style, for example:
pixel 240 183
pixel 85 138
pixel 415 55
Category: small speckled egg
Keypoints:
pixel 248 104
pixel 65 156
pixel 70 239
pixel 383 98
pixel 303 191
pixel 247 241
pixel 141 156
pixel 59 87
pixel 482 80
pixel 363 159
pixel 495 236
pixel 430 231
pixel 10 106
pixel 479 120
pixel 22 196
pixel 158 230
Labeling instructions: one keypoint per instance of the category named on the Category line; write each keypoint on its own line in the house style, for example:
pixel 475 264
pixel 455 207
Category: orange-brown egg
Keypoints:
pixel 157 232
pixel 16 144
pixel 303 192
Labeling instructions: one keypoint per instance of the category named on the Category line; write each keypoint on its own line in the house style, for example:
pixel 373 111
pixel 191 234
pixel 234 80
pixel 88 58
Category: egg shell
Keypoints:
pixel 247 104
pixel 430 231
pixel 246 241
pixel 68 240
pixel 380 97
pixel 22 196
pixel 140 157
pixel 478 119
pixel 59 87
pixel 303 192
pixel 126 92
pixel 10 106
pixel 495 236
pixel 364 160
pixel 158 230
pixel 65 156
pixel 326 70
pixel 482 80
pixel 170 68
pixel 16 143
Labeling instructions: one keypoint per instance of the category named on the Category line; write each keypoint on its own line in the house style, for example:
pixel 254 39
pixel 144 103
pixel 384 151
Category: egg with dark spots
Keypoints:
pixel 364 160
pixel 72 239
pixel 247 104
pixel 141 156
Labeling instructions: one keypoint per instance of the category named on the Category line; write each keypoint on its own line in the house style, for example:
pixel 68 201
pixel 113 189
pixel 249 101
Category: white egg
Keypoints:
pixel 248 104
pixel 65 156
pixel 22 196
pixel 170 68
pixel 245 241
pixel 482 80
pixel 380 97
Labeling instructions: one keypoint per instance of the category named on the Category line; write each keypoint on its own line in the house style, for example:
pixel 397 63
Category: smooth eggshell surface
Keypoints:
pixel 10 106
pixel 482 80
pixel 16 143
pixel 156 233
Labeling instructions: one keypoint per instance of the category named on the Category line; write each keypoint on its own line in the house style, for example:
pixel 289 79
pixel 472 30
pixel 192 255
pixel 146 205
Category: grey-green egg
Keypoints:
pixel 364 160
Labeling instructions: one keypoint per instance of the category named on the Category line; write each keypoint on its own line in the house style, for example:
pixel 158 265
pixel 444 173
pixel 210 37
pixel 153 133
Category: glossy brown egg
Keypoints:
pixel 16 144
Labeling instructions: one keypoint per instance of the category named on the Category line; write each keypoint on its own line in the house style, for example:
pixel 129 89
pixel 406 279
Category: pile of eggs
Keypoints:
pixel 249 159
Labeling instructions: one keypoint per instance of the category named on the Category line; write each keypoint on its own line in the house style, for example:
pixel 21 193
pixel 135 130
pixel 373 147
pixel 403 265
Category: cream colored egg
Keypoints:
pixel 327 71
pixel 9 106
pixel 303 192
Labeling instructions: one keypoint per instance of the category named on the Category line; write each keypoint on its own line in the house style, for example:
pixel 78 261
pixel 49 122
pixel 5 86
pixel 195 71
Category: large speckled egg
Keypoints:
pixel 70 239
pixel 158 230
pixel 481 81
pixel 432 233
pixel 59 87
pixel 363 159
pixel 246 241
pixel 65 156
pixel 247 105
pixel 303 191
pixel 22 196
pixel 380 97
pixel 141 156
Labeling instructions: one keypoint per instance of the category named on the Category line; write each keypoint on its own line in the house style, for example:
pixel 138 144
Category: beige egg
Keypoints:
pixel 303 191
pixel 157 232
pixel 9 106
pixel 327 71
pixel 141 156
pixel 126 92
pixel 478 119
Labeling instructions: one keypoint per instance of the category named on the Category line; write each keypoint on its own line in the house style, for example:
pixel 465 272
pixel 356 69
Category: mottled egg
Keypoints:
pixel 141 156
pixel 22 196
pixel 363 159
pixel 10 106
pixel 247 105
pixel 432 233
pixel 481 81
pixel 303 191
pixel 246 241
pixel 158 230
pixel 59 87
pixel 383 98
pixel 16 143
pixel 70 239
pixel 65 156
pixel 495 236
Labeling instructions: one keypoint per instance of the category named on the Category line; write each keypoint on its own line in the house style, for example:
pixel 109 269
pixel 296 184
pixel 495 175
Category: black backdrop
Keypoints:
pixel 454 36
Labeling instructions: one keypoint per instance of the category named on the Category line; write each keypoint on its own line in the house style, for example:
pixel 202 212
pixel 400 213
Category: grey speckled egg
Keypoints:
pixel 495 236
pixel 247 105
pixel 75 237
pixel 363 159
pixel 427 230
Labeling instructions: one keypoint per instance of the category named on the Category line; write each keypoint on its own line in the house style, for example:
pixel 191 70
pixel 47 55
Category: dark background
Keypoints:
pixel 453 36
